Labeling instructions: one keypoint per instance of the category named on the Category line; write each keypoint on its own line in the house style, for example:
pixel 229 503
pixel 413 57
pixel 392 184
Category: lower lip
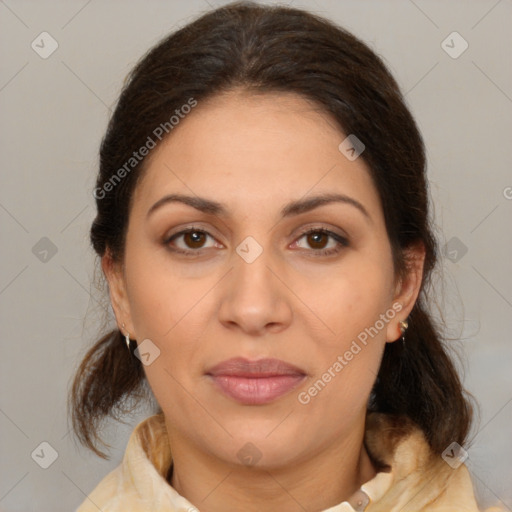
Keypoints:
pixel 256 391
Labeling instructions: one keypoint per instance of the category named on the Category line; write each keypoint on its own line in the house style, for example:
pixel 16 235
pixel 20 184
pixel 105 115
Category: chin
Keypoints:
pixel 263 446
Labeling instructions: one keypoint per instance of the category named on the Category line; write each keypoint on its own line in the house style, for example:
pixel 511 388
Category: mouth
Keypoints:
pixel 255 382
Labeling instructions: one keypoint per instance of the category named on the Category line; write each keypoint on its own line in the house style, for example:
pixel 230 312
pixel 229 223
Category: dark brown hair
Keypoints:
pixel 264 49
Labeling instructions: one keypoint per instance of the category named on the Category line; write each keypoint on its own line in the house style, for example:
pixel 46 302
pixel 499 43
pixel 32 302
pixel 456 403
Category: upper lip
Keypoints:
pixel 241 367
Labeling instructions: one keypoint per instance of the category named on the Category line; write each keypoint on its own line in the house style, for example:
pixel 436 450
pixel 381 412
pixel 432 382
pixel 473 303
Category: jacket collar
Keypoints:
pixel 411 476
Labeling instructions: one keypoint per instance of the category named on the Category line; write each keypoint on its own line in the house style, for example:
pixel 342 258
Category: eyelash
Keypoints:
pixel 342 241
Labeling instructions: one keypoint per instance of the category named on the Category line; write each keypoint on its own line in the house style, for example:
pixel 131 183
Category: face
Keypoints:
pixel 259 269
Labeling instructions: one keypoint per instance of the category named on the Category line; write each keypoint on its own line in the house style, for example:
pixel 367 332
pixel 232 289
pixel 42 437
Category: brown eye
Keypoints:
pixel 318 240
pixel 188 241
pixel 194 239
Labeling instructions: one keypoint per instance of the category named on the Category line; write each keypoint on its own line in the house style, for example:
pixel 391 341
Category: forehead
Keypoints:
pixel 255 151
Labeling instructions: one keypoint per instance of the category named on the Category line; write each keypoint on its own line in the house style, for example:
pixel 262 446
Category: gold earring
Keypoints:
pixel 127 338
pixel 403 327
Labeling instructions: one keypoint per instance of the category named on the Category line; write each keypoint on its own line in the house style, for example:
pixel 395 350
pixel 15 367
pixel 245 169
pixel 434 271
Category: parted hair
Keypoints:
pixel 260 49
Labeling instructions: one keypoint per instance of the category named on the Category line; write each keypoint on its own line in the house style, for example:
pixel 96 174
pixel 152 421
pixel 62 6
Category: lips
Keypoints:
pixel 255 382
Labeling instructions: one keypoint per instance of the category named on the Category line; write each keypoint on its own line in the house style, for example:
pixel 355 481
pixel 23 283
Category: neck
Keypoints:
pixel 213 486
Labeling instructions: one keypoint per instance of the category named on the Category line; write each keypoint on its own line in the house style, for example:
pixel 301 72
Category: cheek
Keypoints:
pixel 163 308
pixel 167 309
pixel 347 355
pixel 350 300
pixel 161 301
pixel 347 362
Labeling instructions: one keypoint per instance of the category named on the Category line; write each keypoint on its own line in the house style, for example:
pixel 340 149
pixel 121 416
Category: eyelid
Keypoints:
pixel 340 239
pixel 304 230
pixel 188 229
pixel 323 228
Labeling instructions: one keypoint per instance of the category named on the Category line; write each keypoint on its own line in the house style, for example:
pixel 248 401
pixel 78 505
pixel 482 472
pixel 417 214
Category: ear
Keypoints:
pixel 117 290
pixel 407 289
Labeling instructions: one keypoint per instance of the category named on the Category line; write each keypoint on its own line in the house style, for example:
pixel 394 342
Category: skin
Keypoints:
pixel 254 154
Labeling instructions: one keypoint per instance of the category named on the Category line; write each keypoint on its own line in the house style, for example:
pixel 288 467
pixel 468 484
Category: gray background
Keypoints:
pixel 54 113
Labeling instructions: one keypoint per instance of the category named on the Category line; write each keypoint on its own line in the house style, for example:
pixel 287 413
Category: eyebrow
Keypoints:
pixel 297 207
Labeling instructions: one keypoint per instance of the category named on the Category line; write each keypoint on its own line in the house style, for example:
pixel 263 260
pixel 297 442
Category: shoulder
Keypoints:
pixel 139 479
pixel 421 480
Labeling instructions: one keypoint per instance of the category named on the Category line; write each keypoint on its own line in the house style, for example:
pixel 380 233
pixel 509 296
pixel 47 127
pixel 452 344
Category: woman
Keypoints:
pixel 262 222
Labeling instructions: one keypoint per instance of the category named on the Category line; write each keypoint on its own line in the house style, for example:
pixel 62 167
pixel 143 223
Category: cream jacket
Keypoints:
pixel 417 480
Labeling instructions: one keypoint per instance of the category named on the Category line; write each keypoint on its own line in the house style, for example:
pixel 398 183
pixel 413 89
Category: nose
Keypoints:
pixel 255 298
